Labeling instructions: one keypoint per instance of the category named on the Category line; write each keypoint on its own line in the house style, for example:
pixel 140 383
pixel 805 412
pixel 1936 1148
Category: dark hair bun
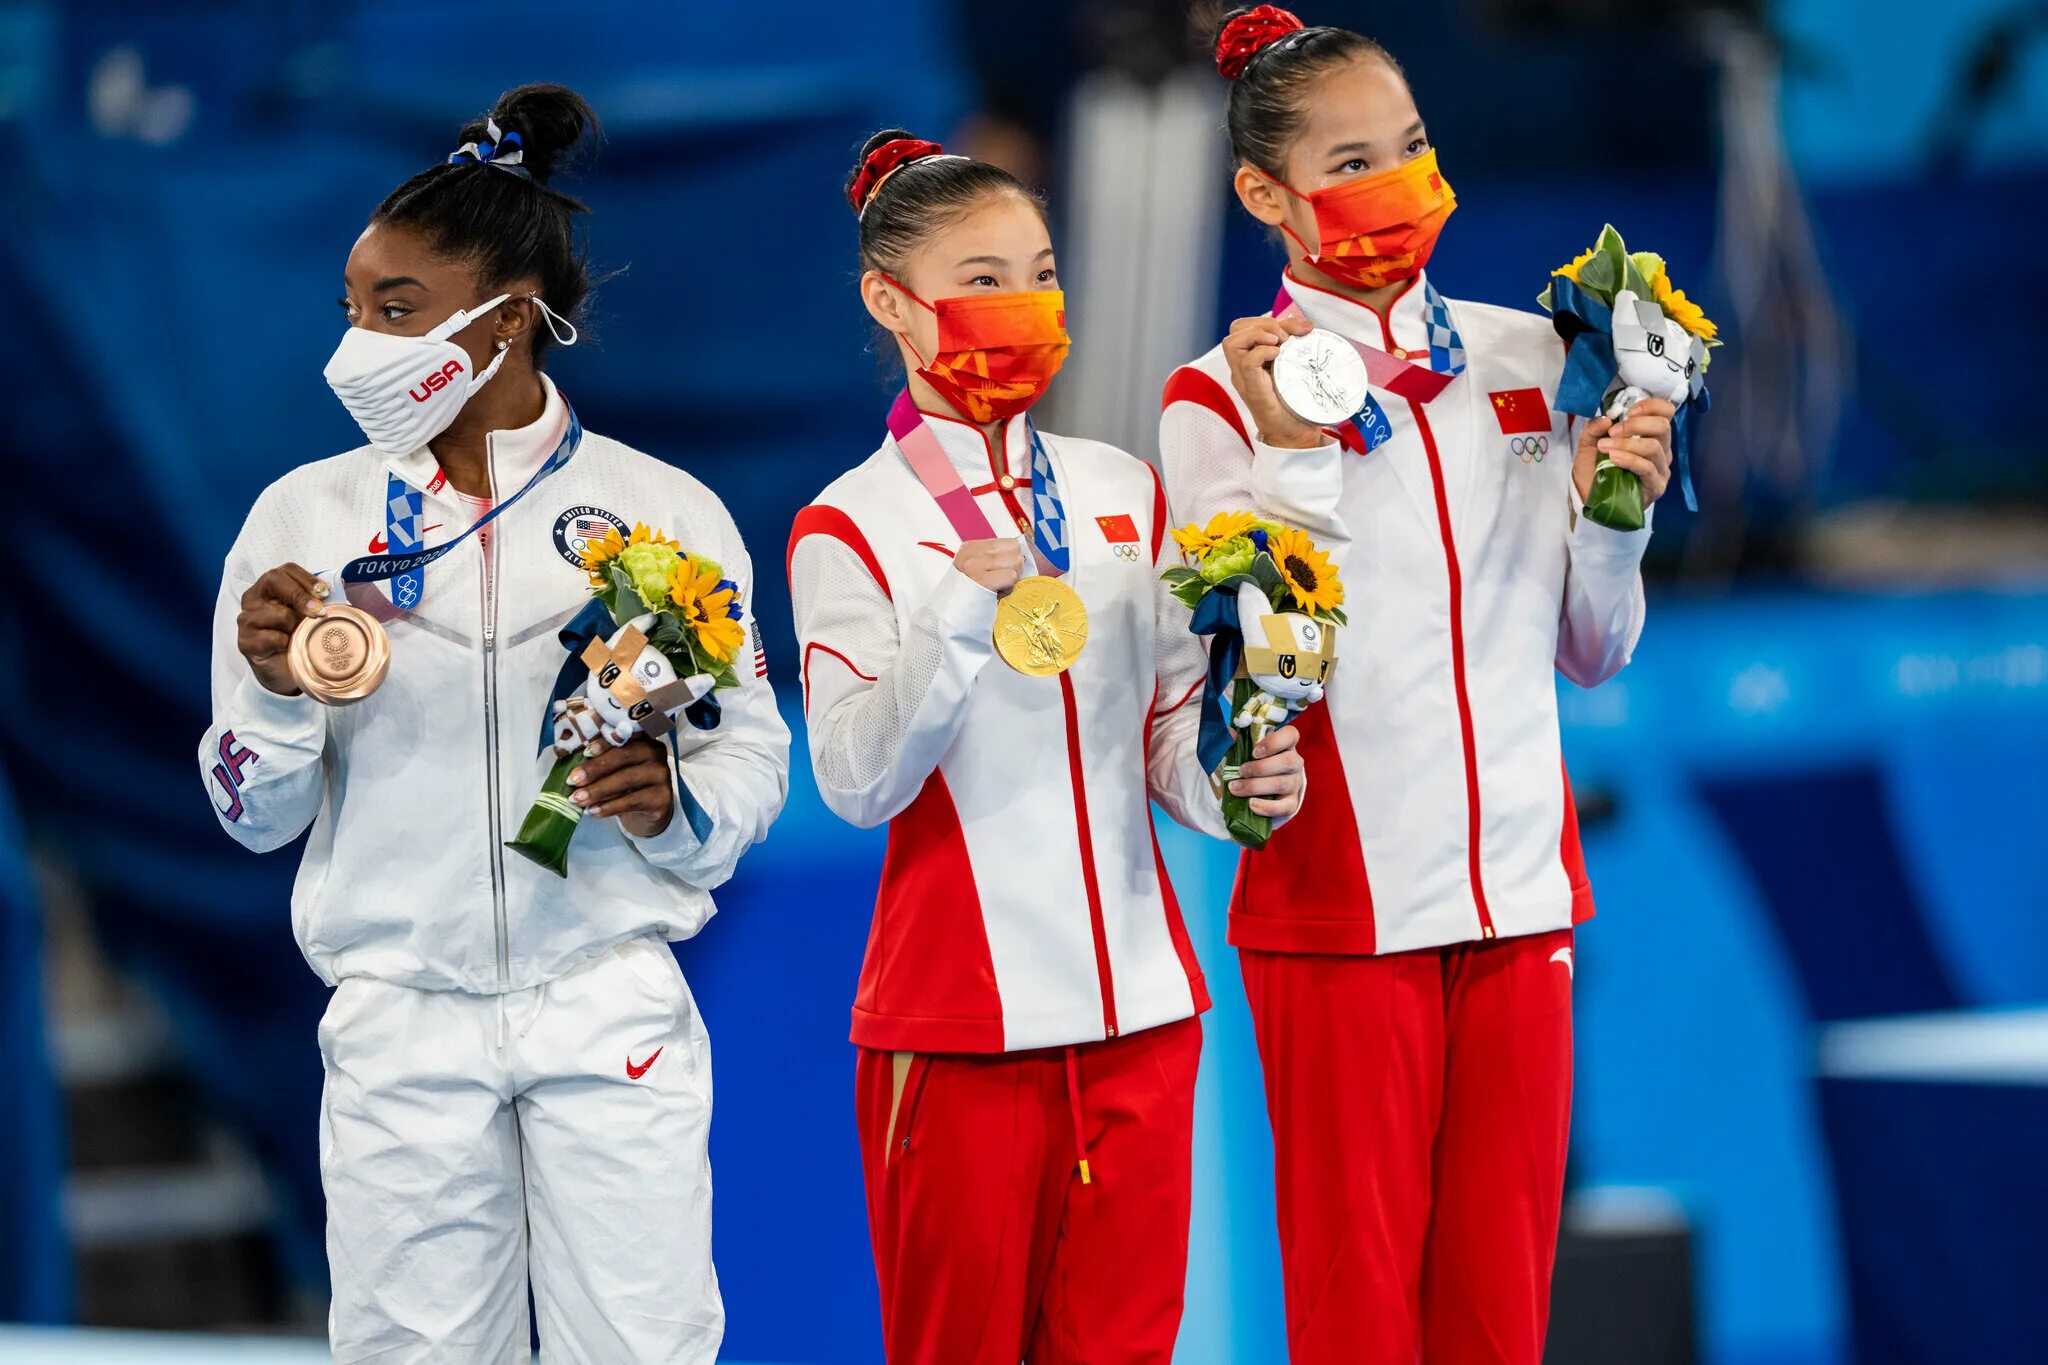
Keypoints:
pixel 554 123
pixel 1247 31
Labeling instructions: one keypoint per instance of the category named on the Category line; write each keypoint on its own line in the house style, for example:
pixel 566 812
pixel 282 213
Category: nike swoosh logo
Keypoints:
pixel 378 545
pixel 634 1073
pixel 1564 955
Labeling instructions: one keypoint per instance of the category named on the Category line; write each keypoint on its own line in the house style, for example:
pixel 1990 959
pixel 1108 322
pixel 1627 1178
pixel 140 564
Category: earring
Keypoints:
pixel 502 343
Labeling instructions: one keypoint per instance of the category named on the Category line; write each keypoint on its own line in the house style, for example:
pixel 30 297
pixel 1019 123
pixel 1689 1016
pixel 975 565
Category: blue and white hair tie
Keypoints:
pixel 504 150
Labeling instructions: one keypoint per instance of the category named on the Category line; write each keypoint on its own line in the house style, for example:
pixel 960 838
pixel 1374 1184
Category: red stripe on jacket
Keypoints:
pixel 820 520
pixel 929 910
pixel 1188 385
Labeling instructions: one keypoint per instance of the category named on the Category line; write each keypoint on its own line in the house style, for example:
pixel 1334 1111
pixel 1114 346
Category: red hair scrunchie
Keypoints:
pixel 881 162
pixel 1246 35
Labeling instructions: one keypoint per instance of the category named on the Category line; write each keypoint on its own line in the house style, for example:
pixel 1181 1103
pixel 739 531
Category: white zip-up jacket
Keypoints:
pixel 412 792
pixel 1443 811
pixel 1023 902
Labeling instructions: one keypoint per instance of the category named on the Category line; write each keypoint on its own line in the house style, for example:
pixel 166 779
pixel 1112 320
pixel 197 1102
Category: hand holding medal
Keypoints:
pixel 297 642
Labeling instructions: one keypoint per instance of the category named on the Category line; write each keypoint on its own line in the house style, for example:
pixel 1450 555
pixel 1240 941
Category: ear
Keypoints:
pixel 884 304
pixel 1261 198
pixel 515 318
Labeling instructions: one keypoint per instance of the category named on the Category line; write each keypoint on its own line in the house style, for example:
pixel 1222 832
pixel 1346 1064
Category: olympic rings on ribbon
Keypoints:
pixel 1527 448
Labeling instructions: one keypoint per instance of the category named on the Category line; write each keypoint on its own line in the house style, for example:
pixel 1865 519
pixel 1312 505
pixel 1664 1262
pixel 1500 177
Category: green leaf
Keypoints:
pixel 1190 591
pixel 1266 574
pixel 1599 278
pixel 1633 279
pixel 1543 300
pixel 1334 615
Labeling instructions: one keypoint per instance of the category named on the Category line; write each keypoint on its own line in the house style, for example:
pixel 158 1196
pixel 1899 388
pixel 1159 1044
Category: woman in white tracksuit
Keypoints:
pixel 518 1087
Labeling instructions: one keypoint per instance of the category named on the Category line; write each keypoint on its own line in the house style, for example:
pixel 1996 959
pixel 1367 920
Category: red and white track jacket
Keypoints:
pixel 1023 902
pixel 412 792
pixel 1443 812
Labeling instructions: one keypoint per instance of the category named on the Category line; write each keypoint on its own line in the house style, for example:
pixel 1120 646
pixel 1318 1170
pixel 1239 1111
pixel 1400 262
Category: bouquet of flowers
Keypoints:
pixel 1270 601
pixel 676 648
pixel 1631 336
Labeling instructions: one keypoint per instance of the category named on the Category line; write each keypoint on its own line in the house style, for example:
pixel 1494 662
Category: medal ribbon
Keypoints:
pixel 927 459
pixel 1402 378
pixel 402 514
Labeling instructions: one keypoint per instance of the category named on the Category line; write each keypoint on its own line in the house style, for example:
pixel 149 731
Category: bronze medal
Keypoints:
pixel 1041 626
pixel 340 656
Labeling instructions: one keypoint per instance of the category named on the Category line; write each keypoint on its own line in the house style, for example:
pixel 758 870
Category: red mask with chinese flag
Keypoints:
pixel 997 353
pixel 1381 228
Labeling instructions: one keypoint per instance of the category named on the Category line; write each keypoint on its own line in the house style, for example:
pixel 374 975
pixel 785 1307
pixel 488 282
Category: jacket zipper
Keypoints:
pixel 1457 595
pixel 501 936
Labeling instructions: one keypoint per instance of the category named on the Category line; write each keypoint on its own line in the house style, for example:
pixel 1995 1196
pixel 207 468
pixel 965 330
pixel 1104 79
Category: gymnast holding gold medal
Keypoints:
pixel 993 667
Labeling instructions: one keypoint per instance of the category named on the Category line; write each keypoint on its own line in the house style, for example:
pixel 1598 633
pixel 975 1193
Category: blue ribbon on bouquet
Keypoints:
pixel 1216 616
pixel 594 622
pixel 1587 326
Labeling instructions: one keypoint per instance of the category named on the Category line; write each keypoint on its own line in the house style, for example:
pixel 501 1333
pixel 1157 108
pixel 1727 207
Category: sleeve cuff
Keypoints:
pixel 1288 481
pixel 965 611
pixel 1591 540
pixel 289 720
pixel 689 824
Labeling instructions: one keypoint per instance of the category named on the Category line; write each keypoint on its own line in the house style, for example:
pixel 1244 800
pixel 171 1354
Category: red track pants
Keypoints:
pixel 989 1245
pixel 1420 1104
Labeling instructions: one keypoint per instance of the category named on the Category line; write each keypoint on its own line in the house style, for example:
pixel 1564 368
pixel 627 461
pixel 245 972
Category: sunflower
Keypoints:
pixel 1571 270
pixel 1681 309
pixel 1307 571
pixel 1196 541
pixel 704 601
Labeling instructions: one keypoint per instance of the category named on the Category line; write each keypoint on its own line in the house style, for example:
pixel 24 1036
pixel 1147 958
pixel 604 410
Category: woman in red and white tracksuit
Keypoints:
pixel 1026 1014
pixel 1407 944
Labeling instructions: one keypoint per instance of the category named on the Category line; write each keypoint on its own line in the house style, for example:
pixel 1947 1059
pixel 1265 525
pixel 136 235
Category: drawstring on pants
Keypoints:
pixel 1074 1109
pixel 540 998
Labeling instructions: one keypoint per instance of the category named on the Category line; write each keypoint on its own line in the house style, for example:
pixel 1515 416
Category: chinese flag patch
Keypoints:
pixel 1520 410
pixel 1121 530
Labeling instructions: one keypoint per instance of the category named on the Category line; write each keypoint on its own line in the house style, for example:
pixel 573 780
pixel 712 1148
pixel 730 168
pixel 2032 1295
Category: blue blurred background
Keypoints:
pixel 1813 1056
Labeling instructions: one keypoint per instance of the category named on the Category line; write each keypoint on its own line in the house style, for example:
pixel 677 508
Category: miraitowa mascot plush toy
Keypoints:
pixel 1654 357
pixel 633 687
pixel 1287 656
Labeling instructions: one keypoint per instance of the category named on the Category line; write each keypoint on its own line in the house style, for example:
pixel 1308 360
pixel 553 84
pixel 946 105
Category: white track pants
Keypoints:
pixel 468 1142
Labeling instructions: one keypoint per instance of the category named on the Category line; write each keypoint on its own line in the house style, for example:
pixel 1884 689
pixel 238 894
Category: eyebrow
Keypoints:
pixel 1001 260
pixel 396 282
pixel 1410 131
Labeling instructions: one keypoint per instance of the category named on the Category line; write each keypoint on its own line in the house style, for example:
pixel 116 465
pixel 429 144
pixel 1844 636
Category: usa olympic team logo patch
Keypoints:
pixel 579 528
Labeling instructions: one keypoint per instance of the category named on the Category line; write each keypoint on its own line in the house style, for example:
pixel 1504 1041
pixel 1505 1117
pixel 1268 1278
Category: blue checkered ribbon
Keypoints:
pixel 1446 347
pixel 402 500
pixel 404 507
pixel 1048 514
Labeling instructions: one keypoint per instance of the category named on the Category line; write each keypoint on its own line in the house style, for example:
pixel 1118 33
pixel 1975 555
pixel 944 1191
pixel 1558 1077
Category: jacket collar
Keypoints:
pixel 977 459
pixel 1404 334
pixel 515 454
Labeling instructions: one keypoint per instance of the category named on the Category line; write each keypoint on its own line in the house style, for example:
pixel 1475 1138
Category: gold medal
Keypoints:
pixel 339 656
pixel 1041 626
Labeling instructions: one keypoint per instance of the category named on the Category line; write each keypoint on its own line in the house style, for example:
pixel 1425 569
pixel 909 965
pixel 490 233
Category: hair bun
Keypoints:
pixel 884 152
pixel 551 121
pixel 1245 34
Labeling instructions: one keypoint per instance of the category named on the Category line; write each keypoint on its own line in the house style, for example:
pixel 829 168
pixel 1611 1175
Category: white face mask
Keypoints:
pixel 404 391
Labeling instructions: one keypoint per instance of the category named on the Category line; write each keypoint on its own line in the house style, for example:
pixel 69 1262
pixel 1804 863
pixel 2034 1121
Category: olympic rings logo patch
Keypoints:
pixel 1527 448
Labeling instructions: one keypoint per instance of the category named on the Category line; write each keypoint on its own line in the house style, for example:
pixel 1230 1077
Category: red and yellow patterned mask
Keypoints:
pixel 1381 228
pixel 997 353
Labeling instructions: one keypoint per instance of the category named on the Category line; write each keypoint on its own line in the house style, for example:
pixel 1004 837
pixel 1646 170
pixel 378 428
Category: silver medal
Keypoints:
pixel 1320 377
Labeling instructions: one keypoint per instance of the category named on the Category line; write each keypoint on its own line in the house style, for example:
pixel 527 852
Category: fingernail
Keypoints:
pixel 576 778
pixel 581 798
pixel 1237 789
pixel 313 606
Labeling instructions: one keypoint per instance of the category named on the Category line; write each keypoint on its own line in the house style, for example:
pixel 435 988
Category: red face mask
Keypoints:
pixel 1381 228
pixel 997 352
